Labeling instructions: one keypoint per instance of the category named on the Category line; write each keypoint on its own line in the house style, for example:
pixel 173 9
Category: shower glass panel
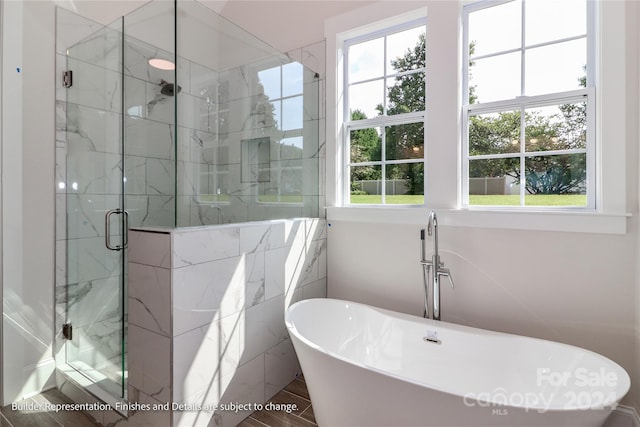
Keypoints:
pixel 225 130
pixel 247 120
pixel 89 198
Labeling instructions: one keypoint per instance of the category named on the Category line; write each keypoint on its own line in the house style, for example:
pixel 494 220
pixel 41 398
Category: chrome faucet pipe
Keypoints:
pixel 434 269
pixel 432 230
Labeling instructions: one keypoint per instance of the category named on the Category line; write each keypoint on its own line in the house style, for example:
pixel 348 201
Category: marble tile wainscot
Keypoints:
pixel 206 315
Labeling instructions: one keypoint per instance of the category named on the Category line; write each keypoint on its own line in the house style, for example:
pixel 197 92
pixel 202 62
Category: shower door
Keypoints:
pixel 96 220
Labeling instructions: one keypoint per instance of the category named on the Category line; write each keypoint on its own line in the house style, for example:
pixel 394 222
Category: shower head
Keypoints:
pixel 168 89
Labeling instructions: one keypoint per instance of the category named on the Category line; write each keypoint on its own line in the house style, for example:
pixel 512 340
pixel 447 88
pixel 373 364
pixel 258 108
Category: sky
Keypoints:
pixel 550 68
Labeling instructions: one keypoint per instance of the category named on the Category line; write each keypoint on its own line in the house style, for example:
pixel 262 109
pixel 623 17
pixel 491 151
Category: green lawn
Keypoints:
pixel 474 200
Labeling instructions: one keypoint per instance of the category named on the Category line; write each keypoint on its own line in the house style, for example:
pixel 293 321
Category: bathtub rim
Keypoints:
pixel 456 327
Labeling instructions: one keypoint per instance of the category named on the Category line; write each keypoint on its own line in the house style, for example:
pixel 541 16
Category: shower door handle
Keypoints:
pixel 107 228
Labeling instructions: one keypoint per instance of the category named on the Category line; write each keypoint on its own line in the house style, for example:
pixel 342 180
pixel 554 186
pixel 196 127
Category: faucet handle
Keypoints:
pixel 447 273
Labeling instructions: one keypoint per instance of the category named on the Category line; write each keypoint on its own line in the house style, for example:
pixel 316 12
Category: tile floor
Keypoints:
pixel 295 393
pixel 33 416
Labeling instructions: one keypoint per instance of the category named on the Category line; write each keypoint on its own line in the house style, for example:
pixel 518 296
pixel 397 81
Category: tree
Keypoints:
pixel 365 147
pixel 405 96
pixel 500 134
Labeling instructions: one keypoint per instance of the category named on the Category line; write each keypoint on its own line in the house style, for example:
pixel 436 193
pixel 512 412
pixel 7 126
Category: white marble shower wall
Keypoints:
pixel 206 314
pixel 224 181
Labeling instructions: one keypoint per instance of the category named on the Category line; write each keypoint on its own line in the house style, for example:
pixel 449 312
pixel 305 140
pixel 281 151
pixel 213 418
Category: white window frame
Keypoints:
pixel 522 102
pixel 381 121
pixel 616 115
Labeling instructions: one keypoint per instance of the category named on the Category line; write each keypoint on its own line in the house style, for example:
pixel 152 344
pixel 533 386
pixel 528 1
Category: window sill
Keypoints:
pixel 577 222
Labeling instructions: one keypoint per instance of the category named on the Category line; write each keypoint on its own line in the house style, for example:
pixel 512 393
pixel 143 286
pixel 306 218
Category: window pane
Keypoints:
pixel 405 184
pixel 404 141
pixel 399 45
pixel 366 97
pixel 291 148
pixel 556 180
pixel 366 60
pixel 487 36
pixel 276 109
pixel 495 133
pixel 291 180
pixel 494 182
pixel 495 78
pixel 366 184
pixel 270 81
pixel 405 94
pixel 292 79
pixel 292 112
pixel 556 68
pixel 557 127
pixel 366 145
pixel 558 19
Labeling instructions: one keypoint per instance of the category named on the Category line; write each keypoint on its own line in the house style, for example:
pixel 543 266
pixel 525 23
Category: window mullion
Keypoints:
pixel 523 142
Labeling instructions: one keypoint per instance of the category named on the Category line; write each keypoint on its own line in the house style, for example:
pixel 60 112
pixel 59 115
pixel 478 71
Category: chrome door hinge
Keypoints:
pixel 67 331
pixel 67 79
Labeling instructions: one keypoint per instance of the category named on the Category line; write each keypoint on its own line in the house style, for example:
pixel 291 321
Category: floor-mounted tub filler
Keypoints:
pixel 366 366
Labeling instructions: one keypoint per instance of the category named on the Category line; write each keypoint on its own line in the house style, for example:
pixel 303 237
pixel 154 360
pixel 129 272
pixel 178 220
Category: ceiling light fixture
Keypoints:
pixel 162 64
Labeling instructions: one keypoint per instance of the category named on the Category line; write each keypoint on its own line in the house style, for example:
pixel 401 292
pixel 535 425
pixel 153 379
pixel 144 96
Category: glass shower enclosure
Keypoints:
pixel 171 116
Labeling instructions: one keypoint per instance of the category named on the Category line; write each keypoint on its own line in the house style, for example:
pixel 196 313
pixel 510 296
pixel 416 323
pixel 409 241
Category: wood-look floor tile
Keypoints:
pixel 284 397
pixel 251 422
pixel 4 422
pixel 65 418
pixel 29 419
pixel 281 419
pixel 309 415
pixel 298 387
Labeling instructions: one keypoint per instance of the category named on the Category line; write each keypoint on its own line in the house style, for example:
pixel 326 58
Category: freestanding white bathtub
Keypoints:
pixel 366 366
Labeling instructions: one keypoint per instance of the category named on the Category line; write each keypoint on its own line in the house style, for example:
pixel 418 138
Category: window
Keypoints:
pixel 384 109
pixel 528 105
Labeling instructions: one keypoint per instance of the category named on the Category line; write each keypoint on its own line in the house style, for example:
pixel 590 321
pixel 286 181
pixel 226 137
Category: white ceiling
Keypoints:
pixel 284 24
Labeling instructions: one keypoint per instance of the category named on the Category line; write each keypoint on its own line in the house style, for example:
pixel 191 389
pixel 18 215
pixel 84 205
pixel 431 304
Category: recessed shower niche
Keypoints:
pixel 170 117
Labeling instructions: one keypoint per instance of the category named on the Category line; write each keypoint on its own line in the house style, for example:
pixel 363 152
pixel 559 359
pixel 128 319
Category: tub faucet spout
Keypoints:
pixel 434 270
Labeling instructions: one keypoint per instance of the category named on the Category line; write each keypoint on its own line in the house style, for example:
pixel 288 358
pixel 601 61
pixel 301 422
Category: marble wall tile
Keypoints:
pixel 91 172
pixel 281 366
pixel 150 298
pixel 101 48
pixel 150 374
pixel 263 327
pixel 88 259
pixel 255 238
pixel 100 299
pixel 247 386
pixel 194 246
pixel 92 129
pixel 255 279
pixel 208 291
pixel 151 211
pixel 135 175
pixel 202 356
pixel 150 248
pixel 145 418
pixel 94 86
pixel 148 138
pixel 274 283
pixel 160 177
pixel 86 214
pixel 98 342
